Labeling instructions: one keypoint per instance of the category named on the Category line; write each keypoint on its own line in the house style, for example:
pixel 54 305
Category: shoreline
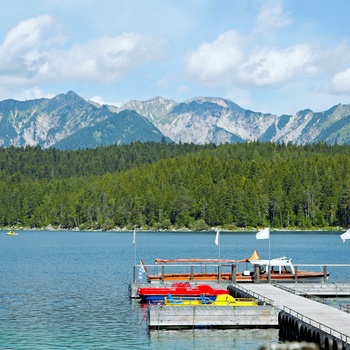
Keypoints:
pixel 183 229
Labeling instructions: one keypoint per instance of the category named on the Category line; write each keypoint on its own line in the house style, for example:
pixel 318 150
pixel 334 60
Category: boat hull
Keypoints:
pixel 314 277
pixel 179 290
pixel 160 298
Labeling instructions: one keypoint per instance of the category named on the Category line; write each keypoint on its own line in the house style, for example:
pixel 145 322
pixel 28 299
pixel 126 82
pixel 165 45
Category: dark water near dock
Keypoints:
pixel 69 290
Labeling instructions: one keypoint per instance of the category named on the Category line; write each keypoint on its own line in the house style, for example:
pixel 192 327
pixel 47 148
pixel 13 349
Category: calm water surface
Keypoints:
pixel 69 290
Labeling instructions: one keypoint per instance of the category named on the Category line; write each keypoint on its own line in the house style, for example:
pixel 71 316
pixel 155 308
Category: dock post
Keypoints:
pixel 163 274
pixel 257 274
pixel 219 273
pixel 233 274
pixel 192 273
pixel 296 273
pixel 324 274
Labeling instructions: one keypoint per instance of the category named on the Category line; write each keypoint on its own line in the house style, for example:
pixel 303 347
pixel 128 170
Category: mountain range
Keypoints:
pixel 67 121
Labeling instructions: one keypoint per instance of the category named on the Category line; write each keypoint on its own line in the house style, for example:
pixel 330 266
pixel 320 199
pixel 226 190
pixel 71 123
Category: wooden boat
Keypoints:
pixel 221 300
pixel 277 270
pixel 11 233
pixel 179 289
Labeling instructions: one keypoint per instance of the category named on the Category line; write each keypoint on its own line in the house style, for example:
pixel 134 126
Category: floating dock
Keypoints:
pixel 299 318
pixel 191 317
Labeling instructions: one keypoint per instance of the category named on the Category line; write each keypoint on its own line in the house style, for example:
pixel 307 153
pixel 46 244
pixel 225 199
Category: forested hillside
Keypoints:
pixel 163 186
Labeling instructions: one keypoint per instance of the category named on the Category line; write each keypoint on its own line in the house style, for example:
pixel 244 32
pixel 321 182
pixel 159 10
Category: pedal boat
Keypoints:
pixel 178 289
pixel 221 300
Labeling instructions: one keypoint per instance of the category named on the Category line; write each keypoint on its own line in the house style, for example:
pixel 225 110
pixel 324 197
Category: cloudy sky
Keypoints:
pixel 277 56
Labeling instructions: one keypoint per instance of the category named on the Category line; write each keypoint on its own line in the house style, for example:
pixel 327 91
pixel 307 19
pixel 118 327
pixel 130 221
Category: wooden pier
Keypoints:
pixel 305 318
pixel 320 313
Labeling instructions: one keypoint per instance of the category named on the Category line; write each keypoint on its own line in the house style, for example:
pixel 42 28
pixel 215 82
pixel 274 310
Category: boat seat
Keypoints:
pixel 172 301
pixel 205 300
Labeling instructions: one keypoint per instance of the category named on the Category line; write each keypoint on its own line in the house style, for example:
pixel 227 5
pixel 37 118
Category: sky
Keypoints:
pixel 278 56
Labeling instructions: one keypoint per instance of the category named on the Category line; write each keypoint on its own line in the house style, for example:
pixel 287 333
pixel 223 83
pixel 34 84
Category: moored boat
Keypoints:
pixel 220 300
pixel 179 289
pixel 276 270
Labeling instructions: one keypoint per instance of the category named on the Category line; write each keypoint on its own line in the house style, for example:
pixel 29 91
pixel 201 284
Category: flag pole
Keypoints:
pixel 219 244
pixel 134 243
pixel 269 258
pixel 265 234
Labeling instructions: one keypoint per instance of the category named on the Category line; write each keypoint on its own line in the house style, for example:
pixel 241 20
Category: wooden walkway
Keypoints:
pixel 322 314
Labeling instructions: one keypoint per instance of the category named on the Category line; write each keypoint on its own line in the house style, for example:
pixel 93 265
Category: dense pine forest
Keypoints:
pixel 175 186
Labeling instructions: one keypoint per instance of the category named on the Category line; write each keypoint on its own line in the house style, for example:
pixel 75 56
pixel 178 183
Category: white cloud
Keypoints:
pixel 227 62
pixel 28 56
pixel 23 47
pixel 341 82
pixel 224 61
pixel 216 62
pixel 271 16
pixel 105 59
pixel 271 67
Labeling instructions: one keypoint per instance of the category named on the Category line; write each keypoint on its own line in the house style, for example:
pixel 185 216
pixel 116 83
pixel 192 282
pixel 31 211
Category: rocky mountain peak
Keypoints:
pixel 68 120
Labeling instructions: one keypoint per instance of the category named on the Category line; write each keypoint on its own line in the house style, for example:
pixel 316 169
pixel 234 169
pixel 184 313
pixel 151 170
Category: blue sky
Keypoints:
pixel 268 56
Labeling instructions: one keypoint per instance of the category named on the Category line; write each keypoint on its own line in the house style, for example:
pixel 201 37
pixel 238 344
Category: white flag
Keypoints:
pixel 217 237
pixel 134 237
pixel 263 234
pixel 345 235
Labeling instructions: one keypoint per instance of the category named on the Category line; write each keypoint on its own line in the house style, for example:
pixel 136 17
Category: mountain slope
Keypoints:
pixel 118 128
pixel 62 121
pixel 67 121
pixel 207 119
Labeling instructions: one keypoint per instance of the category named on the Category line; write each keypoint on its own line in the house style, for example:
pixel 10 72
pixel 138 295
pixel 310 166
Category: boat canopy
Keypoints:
pixel 282 262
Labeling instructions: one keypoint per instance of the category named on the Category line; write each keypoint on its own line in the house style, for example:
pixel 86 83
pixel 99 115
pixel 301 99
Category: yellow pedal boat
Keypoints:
pixel 221 300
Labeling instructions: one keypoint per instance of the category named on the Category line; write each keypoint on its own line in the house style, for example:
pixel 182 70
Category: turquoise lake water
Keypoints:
pixel 69 290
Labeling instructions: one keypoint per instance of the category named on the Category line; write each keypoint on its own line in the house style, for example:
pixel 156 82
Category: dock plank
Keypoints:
pixel 212 317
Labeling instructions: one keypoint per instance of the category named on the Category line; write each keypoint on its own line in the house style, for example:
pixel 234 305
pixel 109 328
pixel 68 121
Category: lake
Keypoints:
pixel 69 290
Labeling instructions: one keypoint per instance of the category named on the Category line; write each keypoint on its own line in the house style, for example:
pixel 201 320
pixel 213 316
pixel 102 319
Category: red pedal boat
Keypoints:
pixel 185 289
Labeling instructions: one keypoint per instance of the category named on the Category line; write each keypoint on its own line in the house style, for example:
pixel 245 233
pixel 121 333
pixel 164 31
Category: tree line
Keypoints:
pixel 163 186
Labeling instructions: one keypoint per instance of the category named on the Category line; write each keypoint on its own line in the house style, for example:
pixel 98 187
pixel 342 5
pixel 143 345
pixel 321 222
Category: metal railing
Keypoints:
pixel 318 325
pixel 255 295
pixel 161 270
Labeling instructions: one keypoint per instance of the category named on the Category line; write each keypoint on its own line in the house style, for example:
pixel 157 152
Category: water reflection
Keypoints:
pixel 242 339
